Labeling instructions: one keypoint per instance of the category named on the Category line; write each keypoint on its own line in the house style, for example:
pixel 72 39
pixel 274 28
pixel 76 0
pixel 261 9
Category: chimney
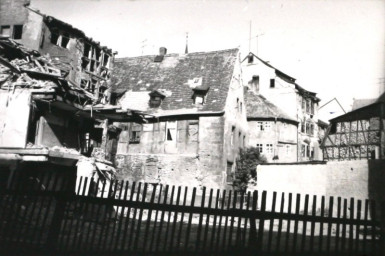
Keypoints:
pixel 162 51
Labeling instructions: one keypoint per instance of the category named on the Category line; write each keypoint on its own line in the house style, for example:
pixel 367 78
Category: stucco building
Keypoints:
pixel 271 130
pixel 298 103
pixel 195 117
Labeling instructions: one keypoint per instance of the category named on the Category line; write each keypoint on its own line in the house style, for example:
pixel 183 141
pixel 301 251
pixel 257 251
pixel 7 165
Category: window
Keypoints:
pixel 17 31
pixel 171 131
pixel 307 128
pixel 54 38
pixel 229 172
pixel 272 83
pixel 199 99
pixel 308 106
pixel 267 126
pixel 136 130
pixel 155 101
pixel 311 129
pixel 269 148
pixel 250 58
pixel 303 150
pixel 259 126
pixel 232 135
pixel 255 83
pixel 5 30
pixel 312 108
pixel 303 127
pixel 65 38
pixel 260 147
pixel 288 149
pixel 193 130
pixel 303 105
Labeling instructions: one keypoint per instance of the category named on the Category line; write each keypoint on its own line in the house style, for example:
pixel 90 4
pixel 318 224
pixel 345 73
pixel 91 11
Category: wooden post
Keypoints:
pixel 54 231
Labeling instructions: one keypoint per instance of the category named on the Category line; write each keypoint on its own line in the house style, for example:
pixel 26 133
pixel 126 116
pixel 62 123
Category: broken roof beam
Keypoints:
pixel 9 65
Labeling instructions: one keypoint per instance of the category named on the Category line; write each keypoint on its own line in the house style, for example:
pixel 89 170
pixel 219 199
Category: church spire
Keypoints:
pixel 186 50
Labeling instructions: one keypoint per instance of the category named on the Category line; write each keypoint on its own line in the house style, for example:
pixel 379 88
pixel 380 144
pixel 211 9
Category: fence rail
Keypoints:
pixel 120 217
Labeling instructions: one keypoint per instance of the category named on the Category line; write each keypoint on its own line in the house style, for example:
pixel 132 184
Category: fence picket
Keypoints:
pixel 373 226
pixel 246 220
pixel 357 245
pixel 330 225
pixel 156 219
pixel 176 213
pixel 181 221
pixel 120 227
pixel 217 248
pixel 343 239
pixel 152 199
pixel 312 229
pixel 157 245
pixel 351 227
pixel 338 225
pixel 207 221
pixel 288 224
pixel 366 214
pixel 190 220
pixel 133 220
pixel 271 226
pixel 261 228
pixel 297 209
pixel 279 234
pixel 224 247
pixel 232 220
pixel 215 216
pixel 168 219
pixel 304 231
pixel 139 222
pixel 322 224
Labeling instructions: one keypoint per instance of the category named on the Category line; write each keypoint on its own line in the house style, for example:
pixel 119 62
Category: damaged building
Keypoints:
pixel 48 124
pixel 301 105
pixel 195 117
pixel 86 63
pixel 358 134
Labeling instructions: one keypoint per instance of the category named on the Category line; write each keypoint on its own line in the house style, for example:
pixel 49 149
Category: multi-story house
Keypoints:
pixel 194 117
pixel 271 130
pixel 282 90
pixel 87 63
pixel 358 134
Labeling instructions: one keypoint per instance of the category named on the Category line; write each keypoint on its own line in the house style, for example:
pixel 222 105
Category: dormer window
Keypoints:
pixel 250 58
pixel 156 99
pixel 199 98
pixel 200 93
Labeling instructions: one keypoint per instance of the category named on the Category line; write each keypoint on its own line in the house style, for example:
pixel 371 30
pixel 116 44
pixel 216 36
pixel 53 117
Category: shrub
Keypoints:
pixel 246 165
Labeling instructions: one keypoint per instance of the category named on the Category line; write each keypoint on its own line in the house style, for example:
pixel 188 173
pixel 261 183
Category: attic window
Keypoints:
pixel 199 97
pixel 272 83
pixel 105 60
pixel 155 101
pixel 255 83
pixel 17 31
pixel 250 58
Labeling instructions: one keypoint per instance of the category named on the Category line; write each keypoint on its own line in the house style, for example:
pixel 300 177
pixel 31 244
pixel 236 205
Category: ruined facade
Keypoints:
pixel 87 63
pixel 263 79
pixel 358 134
pixel 195 117
pixel 271 130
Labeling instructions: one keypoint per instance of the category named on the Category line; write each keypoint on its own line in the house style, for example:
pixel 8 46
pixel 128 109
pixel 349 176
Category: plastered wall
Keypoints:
pixel 359 179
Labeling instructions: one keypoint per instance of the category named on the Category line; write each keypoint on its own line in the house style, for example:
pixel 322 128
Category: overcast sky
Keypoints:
pixel 334 48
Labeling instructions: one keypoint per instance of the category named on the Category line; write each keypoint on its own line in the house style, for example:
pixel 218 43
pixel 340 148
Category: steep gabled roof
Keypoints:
pixel 258 107
pixel 177 76
pixel 285 77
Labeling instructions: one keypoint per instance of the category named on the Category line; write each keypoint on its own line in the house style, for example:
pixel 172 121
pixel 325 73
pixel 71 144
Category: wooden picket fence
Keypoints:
pixel 143 218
